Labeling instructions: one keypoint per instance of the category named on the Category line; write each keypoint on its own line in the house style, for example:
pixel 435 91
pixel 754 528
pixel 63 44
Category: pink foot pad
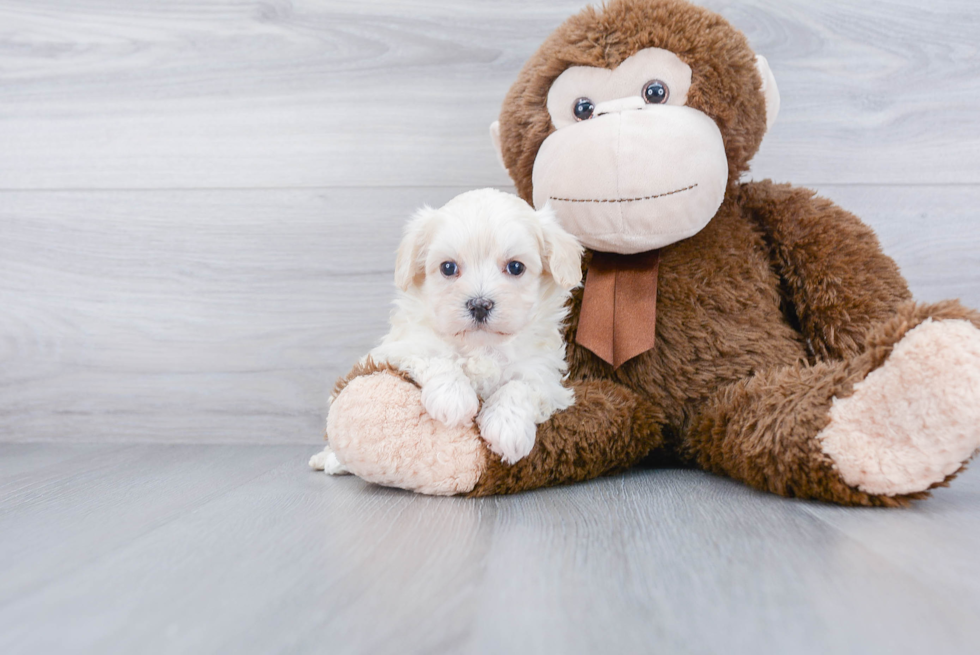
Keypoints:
pixel 379 430
pixel 916 419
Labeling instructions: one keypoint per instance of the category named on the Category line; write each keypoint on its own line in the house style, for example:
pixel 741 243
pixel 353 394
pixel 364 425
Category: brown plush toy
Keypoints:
pixel 750 329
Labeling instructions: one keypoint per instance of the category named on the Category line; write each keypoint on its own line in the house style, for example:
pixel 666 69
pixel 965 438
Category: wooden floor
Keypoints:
pixel 238 549
pixel 199 202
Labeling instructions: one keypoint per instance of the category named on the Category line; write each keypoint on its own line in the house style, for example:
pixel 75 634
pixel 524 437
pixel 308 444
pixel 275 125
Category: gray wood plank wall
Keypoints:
pixel 199 200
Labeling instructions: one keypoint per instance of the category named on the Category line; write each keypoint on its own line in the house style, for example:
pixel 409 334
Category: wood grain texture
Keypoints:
pixel 225 316
pixel 205 316
pixel 236 93
pixel 240 549
pixel 104 495
pixel 199 204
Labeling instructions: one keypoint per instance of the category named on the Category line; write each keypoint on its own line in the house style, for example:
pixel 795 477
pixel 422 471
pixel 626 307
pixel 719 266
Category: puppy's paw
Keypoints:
pixel 450 400
pixel 327 461
pixel 508 430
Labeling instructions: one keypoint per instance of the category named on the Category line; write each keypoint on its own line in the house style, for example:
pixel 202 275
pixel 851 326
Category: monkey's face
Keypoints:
pixel 630 168
pixel 636 147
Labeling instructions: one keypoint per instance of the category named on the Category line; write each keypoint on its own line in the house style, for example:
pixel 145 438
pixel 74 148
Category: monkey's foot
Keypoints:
pixel 913 422
pixel 380 431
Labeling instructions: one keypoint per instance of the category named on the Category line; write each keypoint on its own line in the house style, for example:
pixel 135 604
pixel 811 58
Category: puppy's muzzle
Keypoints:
pixel 479 308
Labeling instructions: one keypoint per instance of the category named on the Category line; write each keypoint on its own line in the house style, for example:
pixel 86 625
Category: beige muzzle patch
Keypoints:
pixel 633 180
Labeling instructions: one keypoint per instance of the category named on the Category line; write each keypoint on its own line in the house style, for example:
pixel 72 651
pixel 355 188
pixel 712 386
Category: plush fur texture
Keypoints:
pixel 726 85
pixel 484 341
pixel 768 319
pixel 404 446
pixel 913 421
pixel 610 177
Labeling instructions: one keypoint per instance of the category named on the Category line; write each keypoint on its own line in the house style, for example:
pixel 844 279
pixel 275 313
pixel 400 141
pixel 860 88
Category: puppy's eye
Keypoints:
pixel 582 109
pixel 515 268
pixel 655 92
pixel 449 269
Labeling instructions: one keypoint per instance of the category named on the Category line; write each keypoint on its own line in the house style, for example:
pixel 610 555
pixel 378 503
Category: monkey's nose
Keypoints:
pixel 479 308
pixel 620 104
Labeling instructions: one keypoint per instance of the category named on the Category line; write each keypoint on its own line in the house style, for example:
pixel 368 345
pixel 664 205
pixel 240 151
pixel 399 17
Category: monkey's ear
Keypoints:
pixel 410 258
pixel 495 138
pixel 769 90
pixel 562 251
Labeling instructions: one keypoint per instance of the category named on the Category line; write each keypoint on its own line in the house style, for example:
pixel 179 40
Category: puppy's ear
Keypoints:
pixel 410 259
pixel 562 251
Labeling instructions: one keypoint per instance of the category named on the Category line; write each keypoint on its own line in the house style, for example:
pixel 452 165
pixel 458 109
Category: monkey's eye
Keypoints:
pixel 583 109
pixel 515 268
pixel 449 269
pixel 655 92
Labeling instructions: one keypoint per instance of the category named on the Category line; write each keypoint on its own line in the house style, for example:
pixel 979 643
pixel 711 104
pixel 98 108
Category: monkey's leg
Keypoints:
pixel 379 431
pixel 881 428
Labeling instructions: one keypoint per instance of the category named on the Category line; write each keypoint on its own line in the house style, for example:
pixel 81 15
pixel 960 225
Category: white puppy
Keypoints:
pixel 483 285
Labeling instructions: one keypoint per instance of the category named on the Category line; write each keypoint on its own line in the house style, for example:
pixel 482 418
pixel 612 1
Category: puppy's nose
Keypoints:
pixel 479 308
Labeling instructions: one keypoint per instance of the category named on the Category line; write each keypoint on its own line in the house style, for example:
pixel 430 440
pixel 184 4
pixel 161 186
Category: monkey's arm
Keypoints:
pixel 836 279
pixel 609 428
pixel 379 430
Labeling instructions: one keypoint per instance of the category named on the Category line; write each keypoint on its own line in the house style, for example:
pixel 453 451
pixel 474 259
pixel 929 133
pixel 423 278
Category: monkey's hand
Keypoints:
pixel 381 432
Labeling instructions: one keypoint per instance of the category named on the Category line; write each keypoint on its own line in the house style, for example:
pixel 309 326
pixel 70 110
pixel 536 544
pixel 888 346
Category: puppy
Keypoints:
pixel 483 283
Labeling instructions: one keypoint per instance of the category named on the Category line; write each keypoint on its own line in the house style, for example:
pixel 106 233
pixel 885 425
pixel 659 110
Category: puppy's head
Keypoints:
pixel 483 263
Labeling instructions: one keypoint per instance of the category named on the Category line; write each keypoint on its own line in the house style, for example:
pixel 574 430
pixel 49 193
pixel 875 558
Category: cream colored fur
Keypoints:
pixel 326 461
pixel 513 359
pixel 914 420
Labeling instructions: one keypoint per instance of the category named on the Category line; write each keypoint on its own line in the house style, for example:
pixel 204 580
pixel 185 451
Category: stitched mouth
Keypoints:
pixel 659 195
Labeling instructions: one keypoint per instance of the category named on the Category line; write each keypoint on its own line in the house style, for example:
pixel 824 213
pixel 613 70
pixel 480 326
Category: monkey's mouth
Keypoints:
pixel 653 197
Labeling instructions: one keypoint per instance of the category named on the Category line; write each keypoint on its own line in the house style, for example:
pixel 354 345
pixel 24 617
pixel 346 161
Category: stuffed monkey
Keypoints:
pixel 753 330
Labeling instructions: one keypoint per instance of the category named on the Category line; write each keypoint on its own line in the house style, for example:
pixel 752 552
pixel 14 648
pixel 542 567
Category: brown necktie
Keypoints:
pixel 619 306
